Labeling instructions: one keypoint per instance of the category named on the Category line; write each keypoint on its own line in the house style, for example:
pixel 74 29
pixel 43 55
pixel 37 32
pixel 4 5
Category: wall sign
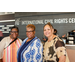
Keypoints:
pixel 62 22
pixel 53 21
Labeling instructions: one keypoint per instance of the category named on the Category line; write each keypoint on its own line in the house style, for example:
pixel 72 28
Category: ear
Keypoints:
pixel 34 32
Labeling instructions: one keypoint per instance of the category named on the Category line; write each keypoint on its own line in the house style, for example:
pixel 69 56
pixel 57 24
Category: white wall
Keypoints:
pixel 4 13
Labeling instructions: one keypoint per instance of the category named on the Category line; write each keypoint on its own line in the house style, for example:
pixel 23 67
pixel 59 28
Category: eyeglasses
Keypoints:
pixel 14 31
pixel 29 31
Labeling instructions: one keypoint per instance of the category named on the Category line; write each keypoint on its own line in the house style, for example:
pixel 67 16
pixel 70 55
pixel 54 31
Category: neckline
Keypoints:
pixel 29 40
pixel 53 39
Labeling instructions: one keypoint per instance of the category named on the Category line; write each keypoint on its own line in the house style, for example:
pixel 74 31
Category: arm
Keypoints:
pixel 2 46
pixel 64 35
pixel 39 51
pixel 61 51
pixel 40 55
pixel 62 58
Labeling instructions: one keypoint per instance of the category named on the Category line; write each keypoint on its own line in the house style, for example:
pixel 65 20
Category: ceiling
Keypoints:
pixel 5 13
pixel 21 14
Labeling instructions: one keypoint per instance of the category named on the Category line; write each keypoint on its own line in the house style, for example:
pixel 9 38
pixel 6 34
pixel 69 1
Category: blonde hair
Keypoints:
pixel 31 26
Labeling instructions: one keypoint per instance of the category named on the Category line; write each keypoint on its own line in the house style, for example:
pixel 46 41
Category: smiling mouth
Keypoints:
pixel 29 35
pixel 47 33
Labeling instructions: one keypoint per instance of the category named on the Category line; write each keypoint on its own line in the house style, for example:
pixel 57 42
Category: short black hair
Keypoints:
pixel 16 28
pixel 72 30
pixel 55 30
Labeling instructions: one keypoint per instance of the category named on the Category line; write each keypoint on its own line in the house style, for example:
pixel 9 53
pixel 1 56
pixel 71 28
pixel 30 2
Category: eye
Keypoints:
pixel 48 29
pixel 44 29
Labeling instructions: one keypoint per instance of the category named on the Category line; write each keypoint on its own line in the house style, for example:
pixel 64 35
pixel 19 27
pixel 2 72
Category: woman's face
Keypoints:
pixel 48 31
pixel 30 33
pixel 14 33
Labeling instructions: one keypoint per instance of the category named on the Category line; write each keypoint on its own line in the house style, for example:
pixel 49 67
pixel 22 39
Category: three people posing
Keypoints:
pixel 31 49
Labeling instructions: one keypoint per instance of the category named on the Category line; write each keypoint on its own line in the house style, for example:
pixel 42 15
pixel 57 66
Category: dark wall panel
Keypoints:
pixel 23 14
pixel 63 22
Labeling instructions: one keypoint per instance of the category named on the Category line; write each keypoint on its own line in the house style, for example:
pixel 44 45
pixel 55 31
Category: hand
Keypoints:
pixel 44 39
pixel 64 35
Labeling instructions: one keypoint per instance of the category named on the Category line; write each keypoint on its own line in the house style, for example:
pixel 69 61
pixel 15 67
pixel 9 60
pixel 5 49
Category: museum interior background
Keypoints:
pixel 64 22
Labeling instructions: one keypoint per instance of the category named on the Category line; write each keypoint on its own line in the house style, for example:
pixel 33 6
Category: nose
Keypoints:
pixel 46 30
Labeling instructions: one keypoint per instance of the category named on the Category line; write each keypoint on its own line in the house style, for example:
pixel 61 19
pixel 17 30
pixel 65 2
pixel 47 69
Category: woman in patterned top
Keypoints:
pixel 31 48
pixel 54 48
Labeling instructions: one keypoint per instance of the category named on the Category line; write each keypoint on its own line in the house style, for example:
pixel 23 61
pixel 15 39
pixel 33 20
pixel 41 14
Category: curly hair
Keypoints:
pixel 31 26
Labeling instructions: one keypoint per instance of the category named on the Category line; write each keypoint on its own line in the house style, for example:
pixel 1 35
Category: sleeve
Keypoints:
pixel 20 41
pixel 2 46
pixel 39 51
pixel 60 48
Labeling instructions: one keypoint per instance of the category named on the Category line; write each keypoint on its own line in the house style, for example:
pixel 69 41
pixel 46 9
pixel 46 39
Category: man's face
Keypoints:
pixel 14 33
